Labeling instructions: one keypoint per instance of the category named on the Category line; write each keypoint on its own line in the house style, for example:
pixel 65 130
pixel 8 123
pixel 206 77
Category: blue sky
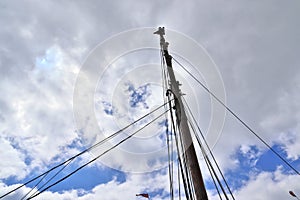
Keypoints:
pixel 47 47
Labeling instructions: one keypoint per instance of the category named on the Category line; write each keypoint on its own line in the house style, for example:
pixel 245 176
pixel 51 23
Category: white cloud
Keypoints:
pixel 12 160
pixel 254 44
pixel 39 109
pixel 263 186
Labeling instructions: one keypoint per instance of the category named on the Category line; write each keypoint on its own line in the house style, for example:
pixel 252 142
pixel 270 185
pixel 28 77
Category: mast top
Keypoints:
pixel 161 33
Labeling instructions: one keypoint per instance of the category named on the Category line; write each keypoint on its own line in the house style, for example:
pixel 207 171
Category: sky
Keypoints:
pixel 74 72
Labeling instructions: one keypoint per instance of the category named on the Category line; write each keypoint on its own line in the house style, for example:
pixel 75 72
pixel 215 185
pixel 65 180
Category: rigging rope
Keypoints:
pixel 172 165
pixel 84 151
pixel 169 164
pixel 34 187
pixel 186 171
pixel 170 149
pixel 209 164
pixel 179 153
pixel 97 157
pixel 210 152
pixel 50 178
pixel 213 178
pixel 238 118
pixel 178 178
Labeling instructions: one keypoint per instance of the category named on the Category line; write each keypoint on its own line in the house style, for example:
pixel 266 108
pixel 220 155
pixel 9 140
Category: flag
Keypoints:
pixel 143 195
pixel 292 193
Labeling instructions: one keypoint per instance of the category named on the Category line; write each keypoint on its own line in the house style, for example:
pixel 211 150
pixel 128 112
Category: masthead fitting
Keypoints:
pixel 160 31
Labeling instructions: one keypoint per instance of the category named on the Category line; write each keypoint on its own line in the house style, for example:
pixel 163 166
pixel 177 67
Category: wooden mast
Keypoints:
pixel 191 157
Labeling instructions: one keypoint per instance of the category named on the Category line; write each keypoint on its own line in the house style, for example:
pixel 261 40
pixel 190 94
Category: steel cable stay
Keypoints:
pixel 35 186
pixel 179 167
pixel 173 131
pixel 182 166
pixel 68 161
pixel 207 146
pixel 180 151
pixel 179 182
pixel 97 157
pixel 213 178
pixel 238 118
pixel 191 185
pixel 182 159
pixel 188 184
pixel 41 187
pixel 210 168
pixel 172 163
pixel 186 173
pixel 169 164
pixel 186 170
pixel 207 161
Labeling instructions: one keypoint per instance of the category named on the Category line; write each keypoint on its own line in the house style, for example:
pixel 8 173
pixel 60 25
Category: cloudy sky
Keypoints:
pixel 71 75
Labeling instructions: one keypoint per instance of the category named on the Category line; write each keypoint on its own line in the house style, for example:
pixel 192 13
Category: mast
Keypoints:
pixel 191 157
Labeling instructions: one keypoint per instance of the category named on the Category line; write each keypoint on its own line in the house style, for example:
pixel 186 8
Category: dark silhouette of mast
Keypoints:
pixel 191 157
